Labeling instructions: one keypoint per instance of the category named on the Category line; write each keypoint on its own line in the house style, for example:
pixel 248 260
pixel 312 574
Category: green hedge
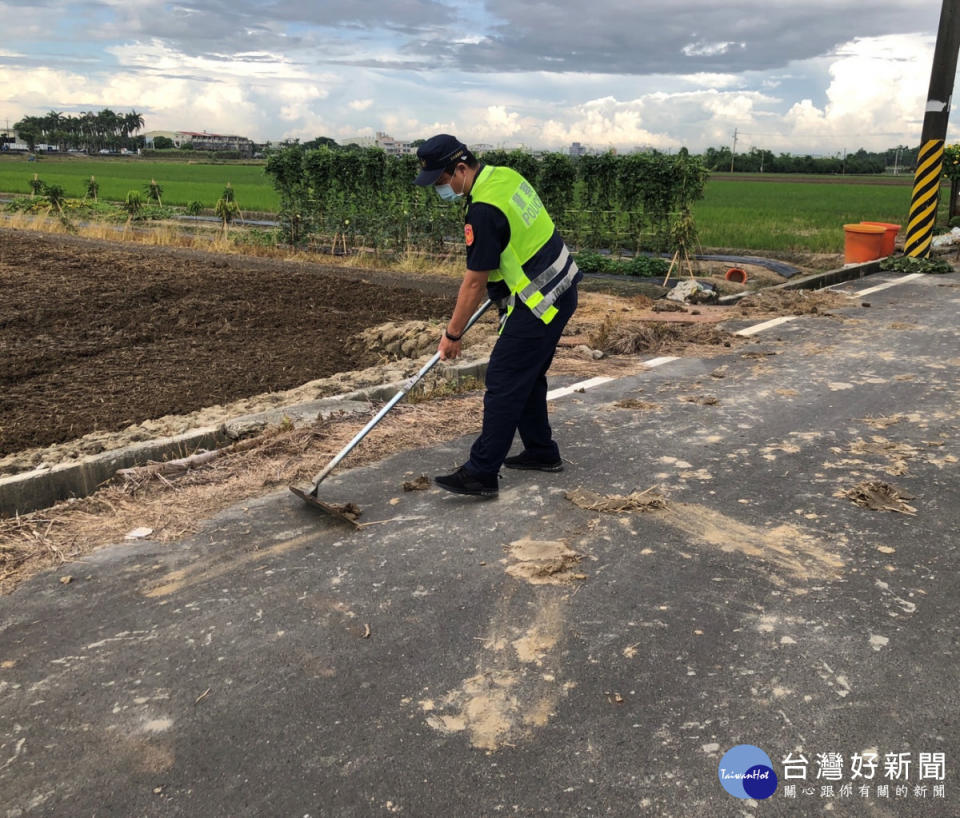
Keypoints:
pixel 362 197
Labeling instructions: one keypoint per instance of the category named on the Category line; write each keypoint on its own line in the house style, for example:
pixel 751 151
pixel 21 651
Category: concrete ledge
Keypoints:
pixel 21 493
pixel 814 281
pixel 41 488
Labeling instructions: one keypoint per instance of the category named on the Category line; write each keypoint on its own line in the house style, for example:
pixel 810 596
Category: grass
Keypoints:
pixel 182 182
pixel 794 215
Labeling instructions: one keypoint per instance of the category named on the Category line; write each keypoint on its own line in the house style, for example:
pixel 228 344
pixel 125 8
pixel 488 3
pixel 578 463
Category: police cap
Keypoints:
pixel 437 154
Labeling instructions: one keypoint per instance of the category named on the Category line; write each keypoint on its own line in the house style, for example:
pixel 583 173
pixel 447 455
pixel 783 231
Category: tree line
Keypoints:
pixel 757 160
pixel 89 131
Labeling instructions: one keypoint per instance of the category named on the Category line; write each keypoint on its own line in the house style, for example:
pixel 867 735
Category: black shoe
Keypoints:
pixel 528 462
pixel 462 482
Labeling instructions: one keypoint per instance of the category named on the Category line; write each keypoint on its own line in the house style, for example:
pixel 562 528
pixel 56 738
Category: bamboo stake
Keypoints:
pixel 670 268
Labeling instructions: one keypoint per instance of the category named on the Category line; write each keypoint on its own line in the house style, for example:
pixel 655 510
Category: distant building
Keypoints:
pixel 360 141
pixel 203 141
pixel 173 136
pixel 393 147
pixel 10 140
pixel 217 142
pixel 386 143
pixel 576 149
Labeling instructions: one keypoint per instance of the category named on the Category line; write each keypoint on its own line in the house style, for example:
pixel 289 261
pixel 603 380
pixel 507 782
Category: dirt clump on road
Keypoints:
pixel 654 337
pixel 792 302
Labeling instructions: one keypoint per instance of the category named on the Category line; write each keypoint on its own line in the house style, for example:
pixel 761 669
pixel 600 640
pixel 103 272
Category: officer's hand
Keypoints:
pixel 449 350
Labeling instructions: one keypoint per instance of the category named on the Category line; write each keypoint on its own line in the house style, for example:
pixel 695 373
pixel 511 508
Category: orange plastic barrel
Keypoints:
pixel 889 238
pixel 736 275
pixel 862 242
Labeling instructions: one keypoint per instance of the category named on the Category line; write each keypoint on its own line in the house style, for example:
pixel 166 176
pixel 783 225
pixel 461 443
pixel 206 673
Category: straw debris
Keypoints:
pixel 880 496
pixel 792 302
pixel 649 500
pixel 633 338
pixel 177 505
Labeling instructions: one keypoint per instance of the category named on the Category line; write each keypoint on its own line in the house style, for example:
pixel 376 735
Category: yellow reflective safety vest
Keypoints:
pixel 530 229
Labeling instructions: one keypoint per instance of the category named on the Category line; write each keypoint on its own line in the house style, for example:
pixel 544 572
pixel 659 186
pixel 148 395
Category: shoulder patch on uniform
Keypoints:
pixel 468 234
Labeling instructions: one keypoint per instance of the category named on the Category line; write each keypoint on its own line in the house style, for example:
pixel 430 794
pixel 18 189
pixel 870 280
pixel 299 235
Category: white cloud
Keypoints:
pixel 701 49
pixel 360 104
pixel 711 80
pixel 156 57
pixel 875 98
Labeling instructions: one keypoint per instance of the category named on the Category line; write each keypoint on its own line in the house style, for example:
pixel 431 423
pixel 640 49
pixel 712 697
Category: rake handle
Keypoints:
pixel 408 385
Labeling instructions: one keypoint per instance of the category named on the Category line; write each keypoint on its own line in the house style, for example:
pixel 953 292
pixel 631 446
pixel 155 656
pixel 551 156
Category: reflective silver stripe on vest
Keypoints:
pixel 548 275
pixel 551 297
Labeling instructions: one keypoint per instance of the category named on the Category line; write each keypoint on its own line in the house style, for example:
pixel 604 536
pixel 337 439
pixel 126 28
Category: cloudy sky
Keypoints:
pixel 814 76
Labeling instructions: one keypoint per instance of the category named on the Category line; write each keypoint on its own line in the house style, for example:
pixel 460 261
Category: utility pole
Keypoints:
pixel 926 179
pixel 733 153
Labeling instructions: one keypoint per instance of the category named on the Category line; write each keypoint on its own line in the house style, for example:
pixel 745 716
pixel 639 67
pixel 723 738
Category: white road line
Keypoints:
pixel 773 322
pixel 576 387
pixel 879 287
pixel 660 361
pixel 584 385
pixel 747 331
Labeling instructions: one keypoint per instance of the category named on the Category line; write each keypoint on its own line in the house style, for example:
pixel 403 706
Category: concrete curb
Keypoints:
pixel 42 488
pixel 814 281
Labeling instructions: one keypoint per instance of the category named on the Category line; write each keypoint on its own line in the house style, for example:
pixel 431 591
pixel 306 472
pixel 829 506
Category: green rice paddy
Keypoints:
pixel 796 215
pixel 181 182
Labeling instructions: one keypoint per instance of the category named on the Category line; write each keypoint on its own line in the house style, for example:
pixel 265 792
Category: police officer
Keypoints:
pixel 515 256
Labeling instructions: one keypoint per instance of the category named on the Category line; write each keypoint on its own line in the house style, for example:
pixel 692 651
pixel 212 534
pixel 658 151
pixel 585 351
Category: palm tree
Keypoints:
pixel 52 123
pixel 108 126
pixel 73 132
pixel 88 129
pixel 133 122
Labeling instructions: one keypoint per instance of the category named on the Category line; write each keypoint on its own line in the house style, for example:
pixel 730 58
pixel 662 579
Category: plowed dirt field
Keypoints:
pixel 98 335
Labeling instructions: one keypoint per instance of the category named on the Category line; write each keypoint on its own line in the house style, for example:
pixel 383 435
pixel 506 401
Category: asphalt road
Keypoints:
pixel 281 664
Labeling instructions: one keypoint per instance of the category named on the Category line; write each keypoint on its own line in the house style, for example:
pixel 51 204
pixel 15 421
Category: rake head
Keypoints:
pixel 348 512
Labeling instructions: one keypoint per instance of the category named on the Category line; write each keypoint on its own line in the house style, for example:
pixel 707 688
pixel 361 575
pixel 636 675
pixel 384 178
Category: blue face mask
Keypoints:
pixel 446 192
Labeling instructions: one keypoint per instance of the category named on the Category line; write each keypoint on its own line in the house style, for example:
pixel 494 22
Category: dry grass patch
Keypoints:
pixel 211 239
pixel 176 506
pixel 792 302
pixel 632 338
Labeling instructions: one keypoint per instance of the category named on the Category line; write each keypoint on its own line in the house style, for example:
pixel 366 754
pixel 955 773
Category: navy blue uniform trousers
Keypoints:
pixel 516 382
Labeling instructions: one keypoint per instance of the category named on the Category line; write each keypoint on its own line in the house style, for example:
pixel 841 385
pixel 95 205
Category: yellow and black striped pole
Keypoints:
pixel 926 178
pixel 926 199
